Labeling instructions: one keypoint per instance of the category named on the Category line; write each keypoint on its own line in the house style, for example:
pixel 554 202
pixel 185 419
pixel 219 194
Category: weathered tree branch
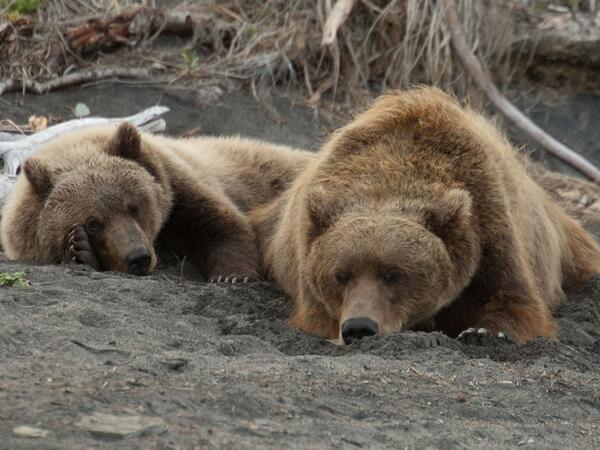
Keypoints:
pixel 14 151
pixel 475 70
pixel 569 37
pixel 19 147
pixel 72 79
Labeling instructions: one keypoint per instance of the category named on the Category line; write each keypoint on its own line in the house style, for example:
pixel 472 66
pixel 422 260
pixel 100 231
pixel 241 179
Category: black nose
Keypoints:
pixel 138 261
pixel 358 328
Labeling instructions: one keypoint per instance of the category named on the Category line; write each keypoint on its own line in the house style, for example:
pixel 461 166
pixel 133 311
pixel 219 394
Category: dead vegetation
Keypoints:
pixel 349 49
pixel 383 44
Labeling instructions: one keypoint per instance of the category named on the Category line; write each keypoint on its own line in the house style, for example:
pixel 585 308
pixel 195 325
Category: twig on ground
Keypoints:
pixel 16 127
pixel 475 70
pixel 98 351
pixel 182 274
pixel 192 132
pixel 71 79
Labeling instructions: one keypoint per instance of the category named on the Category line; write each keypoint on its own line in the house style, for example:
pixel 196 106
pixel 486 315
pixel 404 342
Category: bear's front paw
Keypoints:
pixel 231 279
pixel 79 250
pixel 477 336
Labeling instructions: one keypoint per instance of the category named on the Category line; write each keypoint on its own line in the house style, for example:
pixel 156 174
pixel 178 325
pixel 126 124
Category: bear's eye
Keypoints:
pixel 391 277
pixel 342 276
pixel 93 225
pixel 133 210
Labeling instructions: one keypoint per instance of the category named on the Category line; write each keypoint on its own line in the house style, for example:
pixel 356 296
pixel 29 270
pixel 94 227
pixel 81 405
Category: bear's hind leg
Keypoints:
pixel 234 257
pixel 214 235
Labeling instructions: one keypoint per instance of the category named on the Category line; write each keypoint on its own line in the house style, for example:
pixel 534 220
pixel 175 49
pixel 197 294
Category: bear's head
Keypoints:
pixel 389 264
pixel 108 182
pixel 392 235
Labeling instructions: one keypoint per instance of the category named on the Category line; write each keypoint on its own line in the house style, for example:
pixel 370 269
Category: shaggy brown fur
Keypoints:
pixel 419 215
pixel 103 196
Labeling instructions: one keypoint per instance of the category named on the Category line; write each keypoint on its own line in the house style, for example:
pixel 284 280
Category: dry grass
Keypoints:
pixel 32 53
pixel 384 44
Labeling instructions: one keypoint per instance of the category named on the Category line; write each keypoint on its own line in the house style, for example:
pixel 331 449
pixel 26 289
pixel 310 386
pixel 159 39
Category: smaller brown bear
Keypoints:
pixel 419 215
pixel 105 195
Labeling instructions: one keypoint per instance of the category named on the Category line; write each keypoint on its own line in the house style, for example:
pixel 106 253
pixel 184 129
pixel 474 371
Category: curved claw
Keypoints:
pixel 231 279
pixel 471 335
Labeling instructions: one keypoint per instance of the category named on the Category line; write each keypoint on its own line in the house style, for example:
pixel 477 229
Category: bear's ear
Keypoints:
pixel 450 213
pixel 321 213
pixel 126 143
pixel 38 176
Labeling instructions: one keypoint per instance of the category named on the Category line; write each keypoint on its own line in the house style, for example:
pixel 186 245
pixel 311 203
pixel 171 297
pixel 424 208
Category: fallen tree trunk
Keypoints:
pixel 13 151
pixel 561 36
pixel 520 120
pixel 128 27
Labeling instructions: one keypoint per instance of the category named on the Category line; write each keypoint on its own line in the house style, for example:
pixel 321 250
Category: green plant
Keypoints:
pixel 21 6
pixel 191 60
pixel 16 279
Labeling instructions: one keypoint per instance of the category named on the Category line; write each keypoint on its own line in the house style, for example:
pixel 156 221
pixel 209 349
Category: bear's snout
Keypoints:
pixel 357 328
pixel 138 261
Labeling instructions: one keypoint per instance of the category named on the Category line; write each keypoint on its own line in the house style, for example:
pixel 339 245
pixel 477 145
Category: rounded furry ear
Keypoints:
pixel 454 208
pixel 126 143
pixel 321 213
pixel 38 175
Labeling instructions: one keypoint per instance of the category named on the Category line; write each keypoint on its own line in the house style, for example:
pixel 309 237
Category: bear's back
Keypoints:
pixel 251 172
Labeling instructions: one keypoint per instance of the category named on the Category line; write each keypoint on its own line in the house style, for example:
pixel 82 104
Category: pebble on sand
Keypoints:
pixel 27 431
pixel 121 426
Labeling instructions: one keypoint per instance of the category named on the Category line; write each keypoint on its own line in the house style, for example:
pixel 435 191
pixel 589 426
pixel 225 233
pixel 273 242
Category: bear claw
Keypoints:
pixel 477 335
pixel 230 279
pixel 79 249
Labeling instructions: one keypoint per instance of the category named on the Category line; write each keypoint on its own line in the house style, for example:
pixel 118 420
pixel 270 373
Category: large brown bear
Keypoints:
pixel 419 215
pixel 103 196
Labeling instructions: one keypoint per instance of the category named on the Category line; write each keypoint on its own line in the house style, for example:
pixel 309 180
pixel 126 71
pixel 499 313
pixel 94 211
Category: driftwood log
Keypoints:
pixel 15 147
pixel 570 37
pixel 128 28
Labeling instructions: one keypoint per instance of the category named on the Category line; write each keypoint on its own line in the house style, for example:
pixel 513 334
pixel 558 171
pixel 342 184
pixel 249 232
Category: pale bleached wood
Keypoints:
pixel 15 150
pixel 9 136
pixel 6 184
pixel 138 119
pixel 13 158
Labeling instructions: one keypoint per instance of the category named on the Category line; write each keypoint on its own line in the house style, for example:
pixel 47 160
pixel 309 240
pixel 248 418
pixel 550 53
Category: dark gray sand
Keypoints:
pixel 216 366
pixel 221 368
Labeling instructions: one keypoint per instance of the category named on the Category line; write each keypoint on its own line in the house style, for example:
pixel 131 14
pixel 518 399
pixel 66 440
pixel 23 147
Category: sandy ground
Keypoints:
pixel 216 366
pixel 220 366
